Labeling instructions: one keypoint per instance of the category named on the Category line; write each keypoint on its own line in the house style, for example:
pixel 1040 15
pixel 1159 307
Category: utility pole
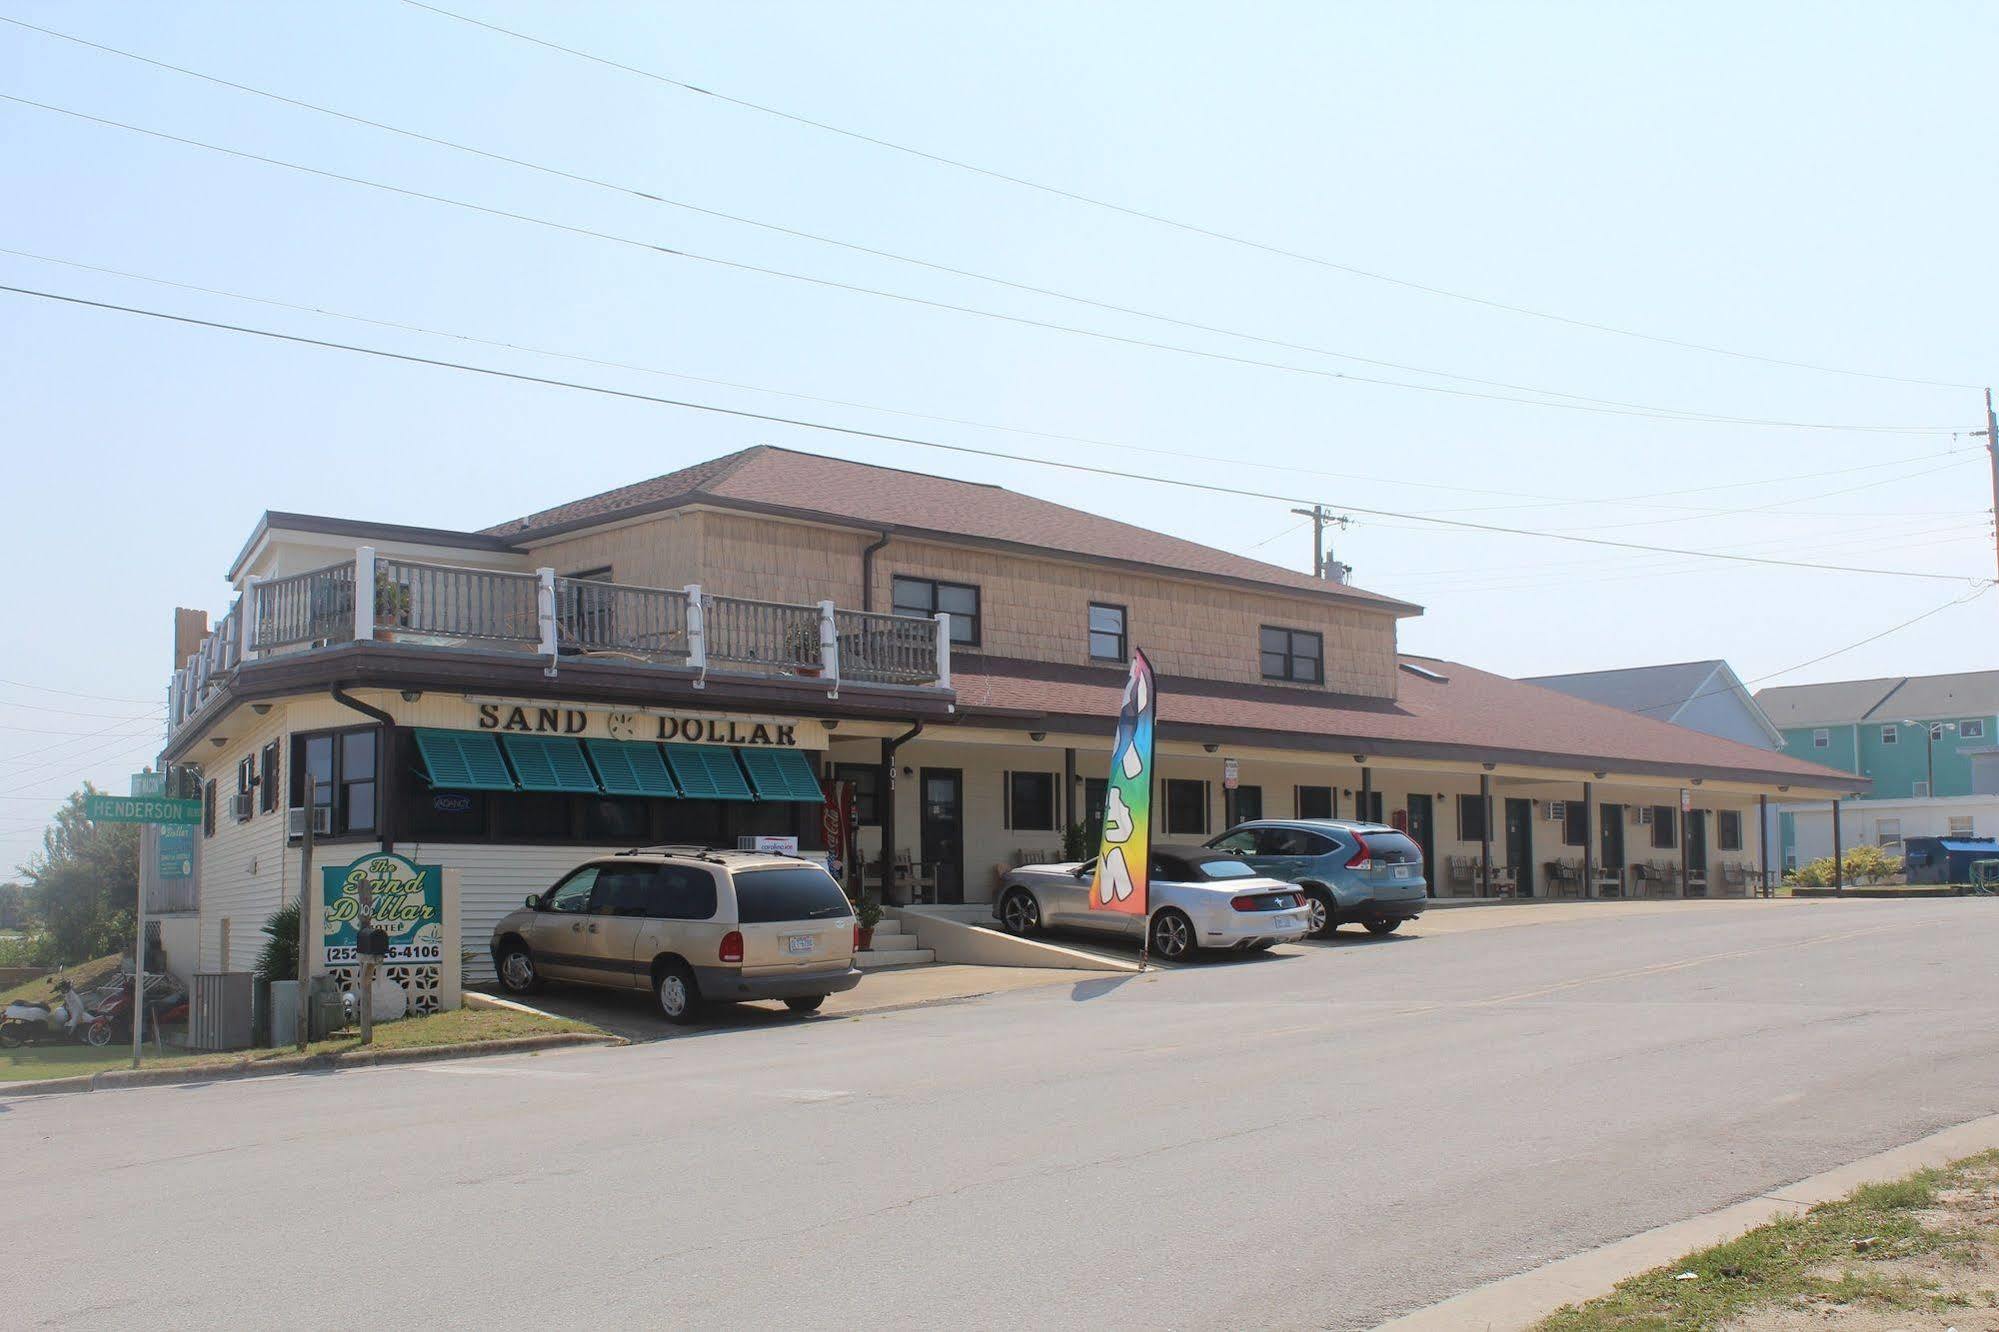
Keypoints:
pixel 1325 566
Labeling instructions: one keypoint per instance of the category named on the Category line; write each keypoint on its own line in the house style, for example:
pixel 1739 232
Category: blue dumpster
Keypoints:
pixel 1946 859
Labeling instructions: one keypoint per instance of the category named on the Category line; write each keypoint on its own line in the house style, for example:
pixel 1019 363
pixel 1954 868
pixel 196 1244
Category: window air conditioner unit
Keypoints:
pixel 1641 815
pixel 322 821
pixel 241 806
pixel 1557 810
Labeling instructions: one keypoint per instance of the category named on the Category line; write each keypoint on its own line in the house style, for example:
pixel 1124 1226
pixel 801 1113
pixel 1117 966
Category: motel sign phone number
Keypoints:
pixel 348 954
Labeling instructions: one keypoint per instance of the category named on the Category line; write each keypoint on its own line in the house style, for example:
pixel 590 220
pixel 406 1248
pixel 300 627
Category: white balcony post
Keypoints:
pixel 364 592
pixel 943 649
pixel 173 702
pixel 829 647
pixel 246 643
pixel 544 601
pixel 697 636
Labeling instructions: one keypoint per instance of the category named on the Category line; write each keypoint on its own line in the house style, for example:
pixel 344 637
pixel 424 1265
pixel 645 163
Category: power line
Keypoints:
pixel 70 712
pixel 1175 223
pixel 975 311
pixel 964 449
pixel 65 744
pixel 632 191
pixel 71 693
pixel 1640 500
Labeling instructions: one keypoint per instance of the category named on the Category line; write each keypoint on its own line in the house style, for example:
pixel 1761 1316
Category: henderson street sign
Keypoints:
pixel 140 809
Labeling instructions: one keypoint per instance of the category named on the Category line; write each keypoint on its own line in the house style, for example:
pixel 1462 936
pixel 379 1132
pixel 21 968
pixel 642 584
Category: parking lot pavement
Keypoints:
pixel 1456 917
pixel 633 1015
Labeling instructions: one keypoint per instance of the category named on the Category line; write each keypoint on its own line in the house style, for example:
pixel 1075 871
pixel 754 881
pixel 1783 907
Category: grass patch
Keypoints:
pixel 1809 1260
pixel 462 1027
pixel 85 976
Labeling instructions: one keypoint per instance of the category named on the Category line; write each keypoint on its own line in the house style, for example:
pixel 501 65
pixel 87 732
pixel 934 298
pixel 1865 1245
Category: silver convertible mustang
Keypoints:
pixel 1199 899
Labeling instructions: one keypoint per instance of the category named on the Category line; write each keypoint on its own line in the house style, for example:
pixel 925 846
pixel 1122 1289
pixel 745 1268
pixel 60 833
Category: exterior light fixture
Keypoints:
pixel 1600 775
pixel 1699 780
pixel 832 725
pixel 1210 746
pixel 1783 788
pixel 218 740
pixel 1037 736
pixel 1360 758
pixel 261 709
pixel 1488 766
pixel 412 695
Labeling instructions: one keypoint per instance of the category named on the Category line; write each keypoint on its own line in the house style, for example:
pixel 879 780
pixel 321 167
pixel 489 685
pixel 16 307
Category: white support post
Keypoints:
pixel 246 625
pixel 364 606
pixel 697 636
pixel 544 604
pixel 943 649
pixel 829 648
pixel 173 702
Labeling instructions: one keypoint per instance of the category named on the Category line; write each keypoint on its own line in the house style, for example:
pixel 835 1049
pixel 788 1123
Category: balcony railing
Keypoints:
pixel 561 619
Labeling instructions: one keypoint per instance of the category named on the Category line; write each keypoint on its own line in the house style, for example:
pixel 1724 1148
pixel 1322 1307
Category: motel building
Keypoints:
pixel 702 657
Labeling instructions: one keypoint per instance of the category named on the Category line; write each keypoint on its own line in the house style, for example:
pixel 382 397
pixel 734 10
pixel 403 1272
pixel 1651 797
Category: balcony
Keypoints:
pixel 561 620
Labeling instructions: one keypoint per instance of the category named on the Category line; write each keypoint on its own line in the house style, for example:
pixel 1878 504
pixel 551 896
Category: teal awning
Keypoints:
pixel 707 772
pixel 782 774
pixel 463 761
pixel 630 768
pixel 550 763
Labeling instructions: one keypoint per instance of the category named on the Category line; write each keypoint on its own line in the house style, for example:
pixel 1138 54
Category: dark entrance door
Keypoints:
pixel 1610 845
pixel 1696 853
pixel 1420 814
pixel 943 834
pixel 1520 844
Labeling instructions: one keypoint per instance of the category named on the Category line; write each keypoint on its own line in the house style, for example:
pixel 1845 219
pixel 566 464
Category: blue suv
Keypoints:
pixel 1367 873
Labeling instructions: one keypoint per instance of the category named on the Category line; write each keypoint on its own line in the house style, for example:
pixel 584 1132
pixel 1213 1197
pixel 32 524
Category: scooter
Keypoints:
pixel 27 1022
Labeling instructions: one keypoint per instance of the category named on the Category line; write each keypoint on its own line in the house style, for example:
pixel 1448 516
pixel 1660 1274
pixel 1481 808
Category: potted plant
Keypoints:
pixel 867 915
pixel 801 648
pixel 392 606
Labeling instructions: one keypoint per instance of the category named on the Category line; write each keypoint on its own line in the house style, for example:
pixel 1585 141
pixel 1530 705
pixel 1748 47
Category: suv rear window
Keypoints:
pixel 793 892
pixel 1392 848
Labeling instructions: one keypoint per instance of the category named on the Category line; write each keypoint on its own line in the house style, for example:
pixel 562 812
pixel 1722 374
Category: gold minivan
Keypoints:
pixel 691 925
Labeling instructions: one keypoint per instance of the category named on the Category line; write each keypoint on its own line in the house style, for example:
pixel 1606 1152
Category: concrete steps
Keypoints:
pixel 891 947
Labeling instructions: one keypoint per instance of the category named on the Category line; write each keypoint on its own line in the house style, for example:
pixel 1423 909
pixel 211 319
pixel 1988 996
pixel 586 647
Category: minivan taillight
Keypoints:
pixel 732 946
pixel 1361 860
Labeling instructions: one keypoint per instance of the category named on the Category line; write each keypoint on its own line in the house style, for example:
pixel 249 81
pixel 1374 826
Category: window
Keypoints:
pixel 1471 818
pixel 335 770
pixel 1575 823
pixel 1821 739
pixel 1248 803
pixel 1315 802
pixel 1961 825
pixel 1887 832
pixel 1241 843
pixel 928 597
pixel 1664 835
pixel 1971 728
pixel 1292 654
pixel 267 793
pixel 1891 734
pixel 867 778
pixel 681 892
pixel 1728 830
pixel 1107 638
pixel 246 782
pixel 1293 842
pixel 1186 806
pixel 1030 802
pixel 622 891
pixel 615 821
pixel 804 892
pixel 572 895
pixel 208 809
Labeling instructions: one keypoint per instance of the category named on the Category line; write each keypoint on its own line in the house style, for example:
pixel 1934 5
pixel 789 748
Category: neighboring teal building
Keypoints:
pixel 1918 737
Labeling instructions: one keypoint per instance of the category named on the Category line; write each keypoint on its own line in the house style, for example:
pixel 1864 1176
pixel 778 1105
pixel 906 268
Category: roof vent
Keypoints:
pixel 1425 672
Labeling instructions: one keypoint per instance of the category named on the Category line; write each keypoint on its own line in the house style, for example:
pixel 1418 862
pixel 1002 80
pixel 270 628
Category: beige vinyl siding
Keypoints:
pixel 243 871
pixel 493 879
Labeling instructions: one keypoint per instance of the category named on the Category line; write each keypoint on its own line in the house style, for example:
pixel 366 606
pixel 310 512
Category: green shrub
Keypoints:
pixel 1076 843
pixel 278 959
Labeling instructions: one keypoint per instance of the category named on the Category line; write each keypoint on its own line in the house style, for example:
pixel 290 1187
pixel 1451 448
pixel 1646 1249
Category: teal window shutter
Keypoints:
pixel 708 772
pixel 630 768
pixel 463 761
pixel 549 763
pixel 782 774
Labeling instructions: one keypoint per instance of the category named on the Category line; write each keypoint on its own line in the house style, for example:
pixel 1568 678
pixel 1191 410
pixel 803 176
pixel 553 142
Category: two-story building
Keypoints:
pixel 689 658
pixel 1926 744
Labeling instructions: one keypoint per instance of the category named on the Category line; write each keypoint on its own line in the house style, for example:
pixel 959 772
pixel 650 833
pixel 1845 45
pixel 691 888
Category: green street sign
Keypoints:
pixel 140 809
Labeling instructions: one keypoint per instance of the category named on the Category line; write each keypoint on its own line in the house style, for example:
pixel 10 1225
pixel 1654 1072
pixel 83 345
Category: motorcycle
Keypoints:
pixel 27 1022
pixel 166 1001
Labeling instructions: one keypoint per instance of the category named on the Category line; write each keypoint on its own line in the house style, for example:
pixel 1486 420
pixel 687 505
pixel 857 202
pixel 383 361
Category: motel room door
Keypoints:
pixel 944 830
pixel 1611 844
pixel 1420 832
pixel 1520 844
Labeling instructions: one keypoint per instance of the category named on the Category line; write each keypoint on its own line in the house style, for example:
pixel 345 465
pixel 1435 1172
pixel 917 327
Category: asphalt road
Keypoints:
pixel 1315 1141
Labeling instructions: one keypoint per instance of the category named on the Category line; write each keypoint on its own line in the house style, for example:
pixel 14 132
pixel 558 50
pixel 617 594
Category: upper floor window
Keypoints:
pixel 267 790
pixel 335 770
pixel 1821 739
pixel 1107 637
pixel 1891 734
pixel 1292 654
pixel 1971 728
pixel 246 783
pixel 928 597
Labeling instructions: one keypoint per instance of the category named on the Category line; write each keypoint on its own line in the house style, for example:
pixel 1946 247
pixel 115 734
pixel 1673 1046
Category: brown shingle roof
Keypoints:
pixel 814 485
pixel 1462 713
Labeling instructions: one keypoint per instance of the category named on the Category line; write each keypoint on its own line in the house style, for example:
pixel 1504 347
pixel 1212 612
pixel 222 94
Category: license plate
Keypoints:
pixel 1404 872
pixel 800 943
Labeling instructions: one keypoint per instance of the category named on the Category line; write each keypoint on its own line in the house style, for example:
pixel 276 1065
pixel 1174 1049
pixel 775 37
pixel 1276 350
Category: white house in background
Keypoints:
pixel 1702 696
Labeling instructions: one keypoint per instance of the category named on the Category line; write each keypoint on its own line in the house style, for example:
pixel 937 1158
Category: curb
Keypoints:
pixel 1514 1303
pixel 112 1079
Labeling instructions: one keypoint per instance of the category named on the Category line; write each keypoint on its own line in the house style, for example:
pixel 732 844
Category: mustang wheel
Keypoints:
pixel 1019 912
pixel 1172 937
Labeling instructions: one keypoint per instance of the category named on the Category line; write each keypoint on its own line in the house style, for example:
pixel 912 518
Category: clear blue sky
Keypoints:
pixel 1808 182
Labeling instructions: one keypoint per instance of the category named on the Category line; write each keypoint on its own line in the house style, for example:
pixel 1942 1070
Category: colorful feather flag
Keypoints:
pixel 1124 856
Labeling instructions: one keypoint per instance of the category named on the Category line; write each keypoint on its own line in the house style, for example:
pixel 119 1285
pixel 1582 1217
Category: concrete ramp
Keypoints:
pixel 964 934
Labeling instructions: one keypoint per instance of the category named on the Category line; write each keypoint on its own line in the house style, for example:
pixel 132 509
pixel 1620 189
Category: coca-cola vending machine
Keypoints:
pixel 837 821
